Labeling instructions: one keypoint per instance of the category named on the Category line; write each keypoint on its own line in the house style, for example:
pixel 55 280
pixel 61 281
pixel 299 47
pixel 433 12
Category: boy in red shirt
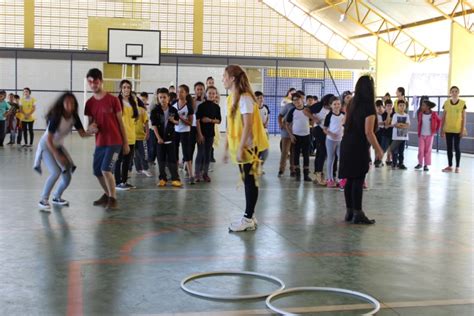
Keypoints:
pixel 105 120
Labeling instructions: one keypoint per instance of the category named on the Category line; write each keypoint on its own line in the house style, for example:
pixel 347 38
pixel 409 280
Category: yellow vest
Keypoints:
pixel 27 107
pixel 129 123
pixel 234 134
pixel 140 124
pixel 453 116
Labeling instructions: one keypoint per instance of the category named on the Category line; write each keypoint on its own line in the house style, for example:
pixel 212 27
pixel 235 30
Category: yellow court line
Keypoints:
pixel 327 308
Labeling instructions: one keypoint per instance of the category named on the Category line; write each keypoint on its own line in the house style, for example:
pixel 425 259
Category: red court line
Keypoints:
pixel 75 297
pixel 74 290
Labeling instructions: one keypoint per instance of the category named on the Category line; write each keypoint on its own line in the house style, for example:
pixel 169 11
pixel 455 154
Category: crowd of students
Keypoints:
pixel 318 127
pixel 17 117
pixel 135 131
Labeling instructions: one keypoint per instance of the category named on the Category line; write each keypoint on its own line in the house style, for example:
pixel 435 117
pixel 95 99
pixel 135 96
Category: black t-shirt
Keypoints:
pixel 356 130
pixel 210 110
pixel 388 131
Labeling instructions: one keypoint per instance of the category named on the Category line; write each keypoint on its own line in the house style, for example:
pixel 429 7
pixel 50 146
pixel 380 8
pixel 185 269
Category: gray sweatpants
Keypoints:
pixel 333 148
pixel 55 170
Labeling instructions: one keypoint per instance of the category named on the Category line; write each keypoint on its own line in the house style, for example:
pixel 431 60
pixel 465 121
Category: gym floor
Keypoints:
pixel 82 260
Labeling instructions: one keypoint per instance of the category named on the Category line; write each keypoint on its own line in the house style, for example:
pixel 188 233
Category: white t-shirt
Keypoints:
pixel 400 133
pixel 186 110
pixel 246 107
pixel 321 116
pixel 426 125
pixel 264 114
pixel 61 129
pixel 300 126
pixel 334 124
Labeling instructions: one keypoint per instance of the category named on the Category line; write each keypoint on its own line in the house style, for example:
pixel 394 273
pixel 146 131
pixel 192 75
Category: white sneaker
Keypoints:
pixel 255 221
pixel 122 187
pixel 44 205
pixel 147 173
pixel 243 225
pixel 140 172
pixel 60 202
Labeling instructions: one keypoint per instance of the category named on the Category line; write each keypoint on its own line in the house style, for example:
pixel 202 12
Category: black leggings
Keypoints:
pixel 453 138
pixel 320 139
pixel 192 141
pixel 353 193
pixel 122 166
pixel 28 129
pixel 251 190
pixel 183 138
pixel 302 147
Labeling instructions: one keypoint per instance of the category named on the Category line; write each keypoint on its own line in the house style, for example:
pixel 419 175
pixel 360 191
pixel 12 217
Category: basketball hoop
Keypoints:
pixel 133 47
pixel 134 51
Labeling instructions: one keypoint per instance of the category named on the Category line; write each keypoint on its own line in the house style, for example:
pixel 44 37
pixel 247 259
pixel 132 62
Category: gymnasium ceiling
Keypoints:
pixel 419 28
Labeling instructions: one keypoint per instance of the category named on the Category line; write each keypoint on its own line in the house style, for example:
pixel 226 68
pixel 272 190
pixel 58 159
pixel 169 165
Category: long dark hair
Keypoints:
pixel 56 111
pixel 139 101
pixel 131 98
pixel 362 103
pixel 189 98
pixel 324 102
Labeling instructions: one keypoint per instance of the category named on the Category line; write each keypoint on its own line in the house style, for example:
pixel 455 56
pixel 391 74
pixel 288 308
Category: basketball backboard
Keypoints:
pixel 133 47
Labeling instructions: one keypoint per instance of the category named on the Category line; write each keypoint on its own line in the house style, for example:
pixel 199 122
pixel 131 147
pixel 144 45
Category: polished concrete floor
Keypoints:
pixel 81 260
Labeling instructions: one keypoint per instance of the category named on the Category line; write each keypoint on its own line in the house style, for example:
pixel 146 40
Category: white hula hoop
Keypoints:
pixel 363 296
pixel 262 276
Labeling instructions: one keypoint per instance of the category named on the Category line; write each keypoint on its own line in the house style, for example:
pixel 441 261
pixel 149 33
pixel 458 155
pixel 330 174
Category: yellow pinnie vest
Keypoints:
pixel 453 116
pixel 234 134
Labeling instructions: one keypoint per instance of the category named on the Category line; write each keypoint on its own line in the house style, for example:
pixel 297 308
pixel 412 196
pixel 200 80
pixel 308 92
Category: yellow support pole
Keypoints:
pixel 461 65
pixel 198 29
pixel 29 23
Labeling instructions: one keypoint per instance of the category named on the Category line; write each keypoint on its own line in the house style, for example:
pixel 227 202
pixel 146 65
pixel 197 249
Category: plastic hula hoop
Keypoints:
pixel 262 276
pixel 365 297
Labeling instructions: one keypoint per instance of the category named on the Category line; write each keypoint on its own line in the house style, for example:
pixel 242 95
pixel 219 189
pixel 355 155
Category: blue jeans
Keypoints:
pixel 55 171
pixel 398 149
pixel 140 160
pixel 203 157
pixel 151 145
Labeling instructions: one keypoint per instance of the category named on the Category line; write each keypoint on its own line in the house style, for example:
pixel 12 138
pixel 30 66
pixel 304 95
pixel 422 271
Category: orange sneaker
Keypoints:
pixel 162 183
pixel 176 184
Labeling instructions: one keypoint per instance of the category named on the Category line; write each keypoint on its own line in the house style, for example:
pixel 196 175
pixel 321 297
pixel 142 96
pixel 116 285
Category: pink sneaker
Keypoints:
pixel 448 169
pixel 331 184
pixel 342 184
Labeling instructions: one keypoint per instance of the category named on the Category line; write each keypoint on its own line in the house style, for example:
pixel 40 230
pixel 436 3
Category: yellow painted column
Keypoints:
pixel 393 69
pixel 29 23
pixel 198 29
pixel 461 63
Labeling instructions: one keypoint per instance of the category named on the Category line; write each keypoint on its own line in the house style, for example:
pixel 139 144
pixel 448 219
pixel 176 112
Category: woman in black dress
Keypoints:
pixel 359 132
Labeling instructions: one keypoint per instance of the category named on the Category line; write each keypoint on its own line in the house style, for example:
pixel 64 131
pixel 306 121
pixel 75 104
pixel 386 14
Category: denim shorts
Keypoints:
pixel 105 158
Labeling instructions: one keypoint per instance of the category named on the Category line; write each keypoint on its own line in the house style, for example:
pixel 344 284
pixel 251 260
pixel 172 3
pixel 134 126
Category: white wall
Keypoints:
pixel 7 73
